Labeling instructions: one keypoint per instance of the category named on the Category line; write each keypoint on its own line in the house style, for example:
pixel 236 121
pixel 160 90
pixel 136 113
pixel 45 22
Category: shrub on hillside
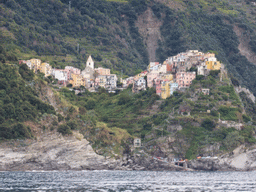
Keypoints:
pixel 73 124
pixel 123 99
pixel 214 73
pixel 246 118
pixel 208 124
pixel 26 73
pixel 64 129
pixel 232 140
pixel 60 117
pixel 90 104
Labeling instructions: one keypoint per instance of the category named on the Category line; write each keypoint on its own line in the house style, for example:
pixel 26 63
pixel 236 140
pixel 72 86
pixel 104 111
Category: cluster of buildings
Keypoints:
pixel 90 77
pixel 174 73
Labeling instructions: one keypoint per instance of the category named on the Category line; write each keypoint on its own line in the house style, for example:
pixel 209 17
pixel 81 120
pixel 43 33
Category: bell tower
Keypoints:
pixel 90 63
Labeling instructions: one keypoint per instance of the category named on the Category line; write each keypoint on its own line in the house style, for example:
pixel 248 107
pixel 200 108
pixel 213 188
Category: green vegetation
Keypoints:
pixel 209 25
pixel 64 130
pixel 18 102
pixel 117 110
pixel 50 31
pixel 108 30
pixel 201 129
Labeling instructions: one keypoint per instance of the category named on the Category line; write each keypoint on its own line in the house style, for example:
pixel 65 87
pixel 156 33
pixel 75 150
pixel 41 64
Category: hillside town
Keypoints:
pixel 176 73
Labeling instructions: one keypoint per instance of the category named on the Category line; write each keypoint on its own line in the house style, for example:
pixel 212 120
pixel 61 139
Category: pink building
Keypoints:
pixel 22 62
pixel 150 78
pixel 129 81
pixel 97 81
pixel 184 79
pixel 157 85
pixel 70 70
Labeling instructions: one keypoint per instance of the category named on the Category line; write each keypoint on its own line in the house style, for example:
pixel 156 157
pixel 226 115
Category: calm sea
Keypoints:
pixel 129 181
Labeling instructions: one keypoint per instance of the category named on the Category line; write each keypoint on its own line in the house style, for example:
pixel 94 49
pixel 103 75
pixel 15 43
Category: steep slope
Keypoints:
pixel 149 28
pixel 64 36
pixel 244 44
pixel 18 102
pixel 224 27
pixel 126 35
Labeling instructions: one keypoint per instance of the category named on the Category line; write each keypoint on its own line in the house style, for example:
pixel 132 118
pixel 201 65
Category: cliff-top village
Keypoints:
pixel 166 78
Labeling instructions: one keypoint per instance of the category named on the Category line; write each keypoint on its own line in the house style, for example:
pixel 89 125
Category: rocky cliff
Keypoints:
pixel 52 151
pixel 55 152
pixel 241 159
pixel 149 28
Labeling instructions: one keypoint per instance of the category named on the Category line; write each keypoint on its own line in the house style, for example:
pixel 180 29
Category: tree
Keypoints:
pixel 26 73
pixel 90 104
pixel 69 85
pixel 9 110
pixel 208 124
pixel 72 124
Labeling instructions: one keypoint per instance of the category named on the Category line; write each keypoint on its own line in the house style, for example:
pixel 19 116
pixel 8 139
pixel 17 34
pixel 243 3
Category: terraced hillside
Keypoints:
pixel 126 35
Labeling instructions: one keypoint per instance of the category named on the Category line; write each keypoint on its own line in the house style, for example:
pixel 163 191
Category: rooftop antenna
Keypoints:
pixel 69 6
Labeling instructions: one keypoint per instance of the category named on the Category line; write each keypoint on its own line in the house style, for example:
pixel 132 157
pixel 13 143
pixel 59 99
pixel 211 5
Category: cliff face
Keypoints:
pixel 241 159
pixel 244 47
pixel 52 152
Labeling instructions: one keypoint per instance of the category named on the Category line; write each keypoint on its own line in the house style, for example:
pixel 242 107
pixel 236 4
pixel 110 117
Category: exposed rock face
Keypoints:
pixel 246 91
pixel 244 47
pixel 53 152
pixel 149 28
pixel 139 162
pixel 240 160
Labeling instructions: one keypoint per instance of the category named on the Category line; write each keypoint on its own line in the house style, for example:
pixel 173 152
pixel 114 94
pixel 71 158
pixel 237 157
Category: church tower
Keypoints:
pixel 90 63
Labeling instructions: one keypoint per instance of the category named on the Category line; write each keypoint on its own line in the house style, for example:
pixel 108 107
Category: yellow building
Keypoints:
pixel 77 80
pixel 213 65
pixel 165 89
pixel 46 68
pixel 36 63
pixel 169 77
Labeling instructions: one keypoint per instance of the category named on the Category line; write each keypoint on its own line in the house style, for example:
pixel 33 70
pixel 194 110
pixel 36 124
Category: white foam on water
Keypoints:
pixel 104 180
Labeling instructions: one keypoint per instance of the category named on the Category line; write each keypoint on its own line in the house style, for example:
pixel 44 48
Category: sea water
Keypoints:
pixel 129 181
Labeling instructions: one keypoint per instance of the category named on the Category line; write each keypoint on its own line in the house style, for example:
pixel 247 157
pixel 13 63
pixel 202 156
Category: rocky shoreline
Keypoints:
pixel 55 152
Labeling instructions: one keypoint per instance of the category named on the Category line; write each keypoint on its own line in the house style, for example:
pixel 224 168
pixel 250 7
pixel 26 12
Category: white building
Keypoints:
pixel 111 81
pixel 29 64
pixel 60 74
pixel 202 69
pixel 90 62
pixel 173 87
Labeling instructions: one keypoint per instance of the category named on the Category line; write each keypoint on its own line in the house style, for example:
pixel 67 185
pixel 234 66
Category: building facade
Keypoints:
pixel 46 68
pixel 184 79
